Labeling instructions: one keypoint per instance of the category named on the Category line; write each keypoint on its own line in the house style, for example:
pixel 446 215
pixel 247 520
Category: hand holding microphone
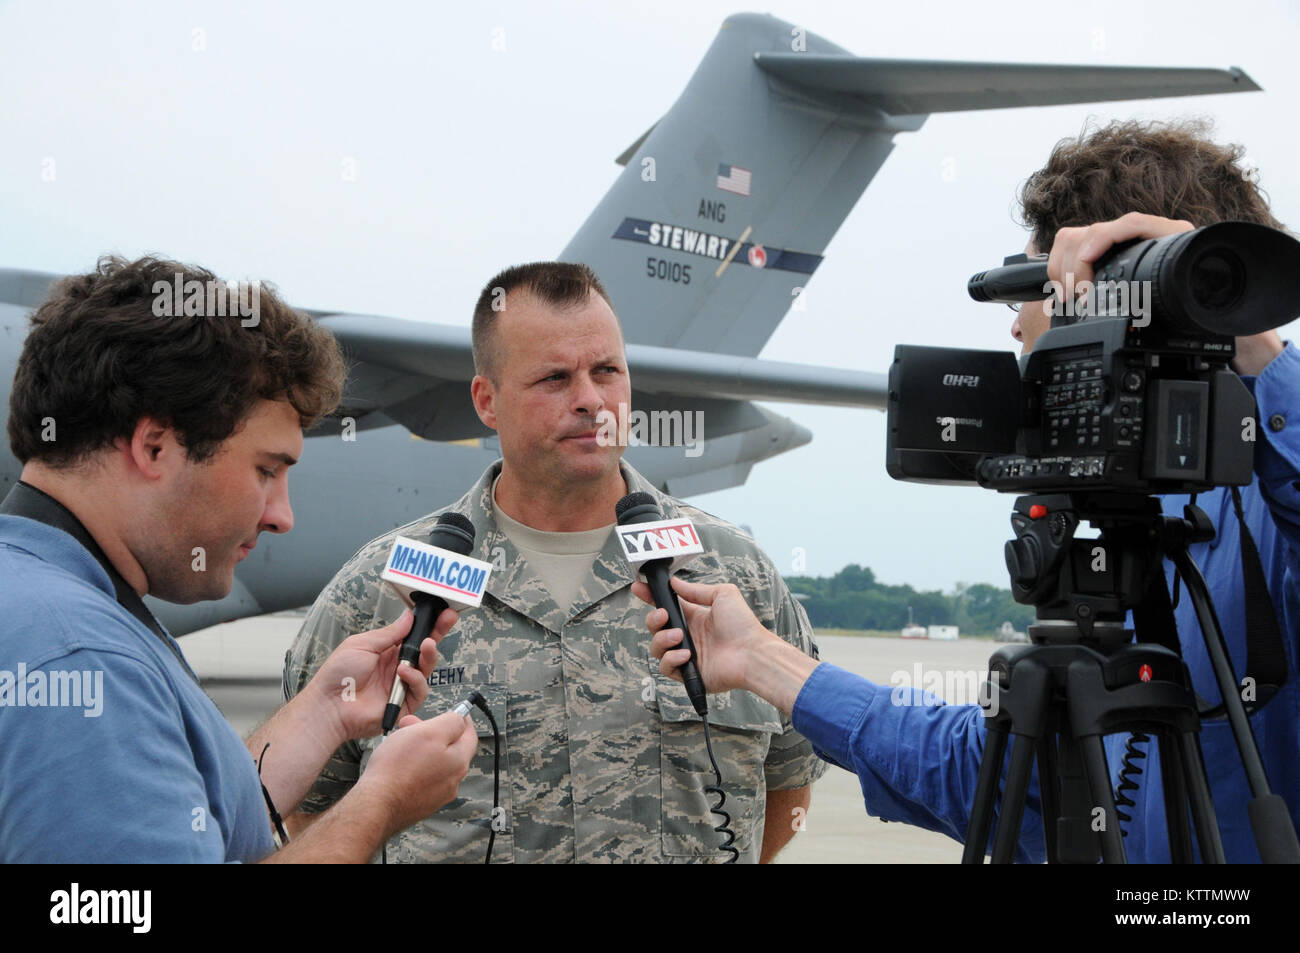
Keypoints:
pixel 736 650
pixel 356 679
pixel 432 576
pixel 724 630
pixel 652 544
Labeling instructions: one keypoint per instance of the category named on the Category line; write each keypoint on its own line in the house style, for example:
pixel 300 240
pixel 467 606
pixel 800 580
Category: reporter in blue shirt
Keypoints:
pixel 156 447
pixel 918 761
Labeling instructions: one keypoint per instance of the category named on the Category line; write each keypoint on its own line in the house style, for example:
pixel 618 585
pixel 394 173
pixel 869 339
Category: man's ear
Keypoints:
pixel 483 394
pixel 153 448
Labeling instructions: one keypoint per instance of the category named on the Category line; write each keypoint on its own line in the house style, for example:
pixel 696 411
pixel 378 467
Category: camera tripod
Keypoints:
pixel 1082 678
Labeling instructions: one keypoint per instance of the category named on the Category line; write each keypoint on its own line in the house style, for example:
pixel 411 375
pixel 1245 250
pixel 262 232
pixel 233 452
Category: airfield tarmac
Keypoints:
pixel 234 662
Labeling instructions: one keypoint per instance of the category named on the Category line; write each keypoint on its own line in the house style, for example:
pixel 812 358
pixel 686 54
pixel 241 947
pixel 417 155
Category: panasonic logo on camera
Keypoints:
pixel 961 380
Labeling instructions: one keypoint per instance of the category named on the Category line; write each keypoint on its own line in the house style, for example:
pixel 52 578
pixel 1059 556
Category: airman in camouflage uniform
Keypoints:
pixel 603 758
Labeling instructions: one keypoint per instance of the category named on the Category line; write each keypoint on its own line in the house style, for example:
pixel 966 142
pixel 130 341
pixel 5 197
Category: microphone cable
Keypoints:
pixel 478 701
pixel 383 849
pixel 723 828
pixel 481 703
pixel 1128 772
pixel 639 508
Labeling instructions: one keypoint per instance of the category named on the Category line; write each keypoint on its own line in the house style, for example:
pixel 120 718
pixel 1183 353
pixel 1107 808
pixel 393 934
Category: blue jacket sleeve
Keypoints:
pixel 1277 448
pixel 916 758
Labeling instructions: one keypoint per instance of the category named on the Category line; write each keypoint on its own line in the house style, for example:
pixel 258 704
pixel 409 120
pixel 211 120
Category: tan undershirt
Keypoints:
pixel 562 561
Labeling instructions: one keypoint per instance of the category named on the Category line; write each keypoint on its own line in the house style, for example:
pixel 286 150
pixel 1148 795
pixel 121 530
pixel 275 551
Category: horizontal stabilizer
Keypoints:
pixel 24 288
pixel 910 87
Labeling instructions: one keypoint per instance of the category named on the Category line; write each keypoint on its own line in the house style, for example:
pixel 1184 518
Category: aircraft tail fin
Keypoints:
pixel 726 205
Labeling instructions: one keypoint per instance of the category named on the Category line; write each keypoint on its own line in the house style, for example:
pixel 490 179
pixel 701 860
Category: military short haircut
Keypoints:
pixel 558 283
pixel 1172 169
pixel 108 348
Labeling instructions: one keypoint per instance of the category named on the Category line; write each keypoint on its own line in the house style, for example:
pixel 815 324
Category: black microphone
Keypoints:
pixel 641 507
pixel 454 533
pixel 1020 278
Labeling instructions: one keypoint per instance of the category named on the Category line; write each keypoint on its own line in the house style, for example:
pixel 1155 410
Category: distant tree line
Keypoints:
pixel 853 599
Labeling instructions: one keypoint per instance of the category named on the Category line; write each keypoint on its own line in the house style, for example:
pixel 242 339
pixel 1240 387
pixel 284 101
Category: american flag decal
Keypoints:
pixel 732 178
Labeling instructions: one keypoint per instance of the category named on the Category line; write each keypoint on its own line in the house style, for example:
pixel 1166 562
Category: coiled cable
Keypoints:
pixel 723 828
pixel 1129 766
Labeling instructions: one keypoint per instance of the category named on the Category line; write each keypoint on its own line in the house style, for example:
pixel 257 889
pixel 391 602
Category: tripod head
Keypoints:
pixel 1084 588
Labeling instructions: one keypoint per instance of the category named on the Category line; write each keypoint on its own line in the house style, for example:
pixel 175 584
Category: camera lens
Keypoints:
pixel 1218 279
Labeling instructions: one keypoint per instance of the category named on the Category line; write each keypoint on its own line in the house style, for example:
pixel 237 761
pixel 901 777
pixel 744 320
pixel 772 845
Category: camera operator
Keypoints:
pixel 917 760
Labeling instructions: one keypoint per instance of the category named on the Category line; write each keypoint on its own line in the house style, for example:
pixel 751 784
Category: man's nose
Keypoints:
pixel 587 399
pixel 278 515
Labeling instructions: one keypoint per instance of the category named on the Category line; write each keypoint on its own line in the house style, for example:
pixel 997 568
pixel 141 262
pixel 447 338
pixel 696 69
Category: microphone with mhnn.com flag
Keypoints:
pixel 430 577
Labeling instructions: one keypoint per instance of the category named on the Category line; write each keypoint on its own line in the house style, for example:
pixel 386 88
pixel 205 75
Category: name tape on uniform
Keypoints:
pixel 416 566
pixel 661 539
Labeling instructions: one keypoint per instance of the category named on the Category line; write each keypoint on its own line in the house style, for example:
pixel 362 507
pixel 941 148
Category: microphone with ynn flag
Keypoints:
pixel 656 547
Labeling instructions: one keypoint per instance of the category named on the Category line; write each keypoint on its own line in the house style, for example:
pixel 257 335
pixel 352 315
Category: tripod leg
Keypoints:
pixel 1270 821
pixel 1173 775
pixel 1048 796
pixel 1075 837
pixel 1200 799
pixel 1094 764
pixel 986 792
pixel 1013 800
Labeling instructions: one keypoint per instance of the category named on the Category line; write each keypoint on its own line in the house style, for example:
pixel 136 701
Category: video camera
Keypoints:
pixel 1130 389
pixel 1128 394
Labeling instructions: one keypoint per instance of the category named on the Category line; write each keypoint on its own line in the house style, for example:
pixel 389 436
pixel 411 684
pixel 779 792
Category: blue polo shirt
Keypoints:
pixel 110 752
pixel 917 761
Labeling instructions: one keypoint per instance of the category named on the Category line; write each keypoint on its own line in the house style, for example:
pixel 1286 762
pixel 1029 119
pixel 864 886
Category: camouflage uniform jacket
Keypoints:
pixel 602 758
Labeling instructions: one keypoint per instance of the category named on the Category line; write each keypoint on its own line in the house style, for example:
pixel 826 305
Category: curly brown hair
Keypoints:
pixel 1171 169
pixel 102 353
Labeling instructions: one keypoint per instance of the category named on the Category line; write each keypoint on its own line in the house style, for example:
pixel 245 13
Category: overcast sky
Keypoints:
pixel 217 132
